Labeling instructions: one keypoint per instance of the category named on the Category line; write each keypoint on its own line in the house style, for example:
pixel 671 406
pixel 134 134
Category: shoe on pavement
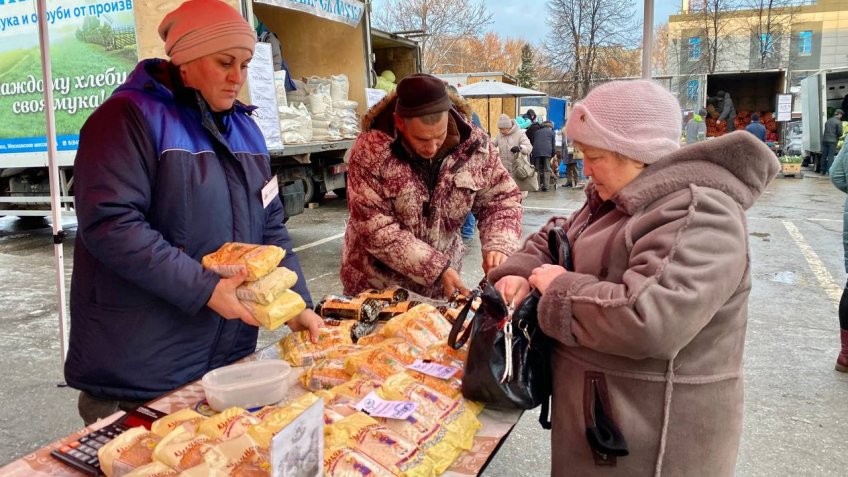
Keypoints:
pixel 842 359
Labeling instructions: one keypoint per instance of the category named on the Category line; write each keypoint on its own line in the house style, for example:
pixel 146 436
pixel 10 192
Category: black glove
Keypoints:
pixel 515 149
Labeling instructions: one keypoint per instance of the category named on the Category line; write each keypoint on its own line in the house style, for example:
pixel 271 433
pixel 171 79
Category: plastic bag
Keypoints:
pixel 184 417
pixel 271 316
pixel 384 446
pixel 258 260
pixel 299 350
pixel 128 451
pixel 182 449
pixel 344 461
pixel 325 375
pixel 153 469
pixel 275 418
pixel 339 87
pixel 295 124
pixel 268 288
pixel 319 100
pixel 228 424
pixel 280 88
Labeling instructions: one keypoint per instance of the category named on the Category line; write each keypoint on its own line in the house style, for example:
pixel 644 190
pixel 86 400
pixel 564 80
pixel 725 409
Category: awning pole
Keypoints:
pixel 53 168
pixel 648 40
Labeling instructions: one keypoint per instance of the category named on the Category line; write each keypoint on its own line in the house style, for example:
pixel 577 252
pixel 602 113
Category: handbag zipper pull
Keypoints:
pixel 507 375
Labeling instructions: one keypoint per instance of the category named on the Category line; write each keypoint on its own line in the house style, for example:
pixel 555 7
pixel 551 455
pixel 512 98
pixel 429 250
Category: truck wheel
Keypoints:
pixel 311 192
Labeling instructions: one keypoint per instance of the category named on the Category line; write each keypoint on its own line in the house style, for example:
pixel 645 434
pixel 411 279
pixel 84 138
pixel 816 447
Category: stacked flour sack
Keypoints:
pixel 266 293
pixel 318 110
pixel 295 122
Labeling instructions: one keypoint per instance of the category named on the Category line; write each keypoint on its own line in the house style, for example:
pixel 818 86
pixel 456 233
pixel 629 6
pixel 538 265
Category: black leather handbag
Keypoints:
pixel 509 361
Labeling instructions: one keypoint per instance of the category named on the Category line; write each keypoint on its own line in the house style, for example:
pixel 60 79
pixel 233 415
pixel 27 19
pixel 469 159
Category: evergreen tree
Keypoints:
pixel 527 71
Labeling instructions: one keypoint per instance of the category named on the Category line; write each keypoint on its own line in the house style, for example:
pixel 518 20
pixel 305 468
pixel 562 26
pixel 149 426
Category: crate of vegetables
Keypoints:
pixel 791 166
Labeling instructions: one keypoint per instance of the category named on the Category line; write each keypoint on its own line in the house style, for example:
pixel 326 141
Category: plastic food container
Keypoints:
pixel 246 385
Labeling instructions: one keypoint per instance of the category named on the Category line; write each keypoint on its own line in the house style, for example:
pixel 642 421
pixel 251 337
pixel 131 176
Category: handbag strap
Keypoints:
pixel 460 321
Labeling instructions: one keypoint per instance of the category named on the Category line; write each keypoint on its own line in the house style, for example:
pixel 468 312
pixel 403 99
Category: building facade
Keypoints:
pixel 790 41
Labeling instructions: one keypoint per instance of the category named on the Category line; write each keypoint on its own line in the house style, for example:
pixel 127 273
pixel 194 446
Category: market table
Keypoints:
pixel 496 425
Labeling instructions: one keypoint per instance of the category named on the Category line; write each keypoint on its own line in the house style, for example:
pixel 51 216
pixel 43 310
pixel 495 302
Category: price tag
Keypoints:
pixel 434 369
pixel 375 406
pixel 270 191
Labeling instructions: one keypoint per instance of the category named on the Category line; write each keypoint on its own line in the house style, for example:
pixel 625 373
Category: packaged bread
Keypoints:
pixel 333 415
pixel 356 388
pixel 384 446
pixel 268 288
pixel 325 374
pixel 395 309
pixel 342 461
pixel 389 295
pixel 153 469
pixel 228 424
pixel 275 418
pixel 451 388
pixel 377 363
pixel 287 306
pixel 423 326
pixel 370 340
pixel 345 308
pixel 200 470
pixel 164 425
pixel 443 353
pixel 183 449
pixel 128 451
pixel 429 436
pixel 257 260
pixel 237 457
pixel 451 314
pixel 405 351
pixel 453 414
pixel 299 350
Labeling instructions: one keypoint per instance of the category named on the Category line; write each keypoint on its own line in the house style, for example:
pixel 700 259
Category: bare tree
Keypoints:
pixel 489 53
pixel 580 31
pixel 712 23
pixel 772 19
pixel 442 24
pixel 659 55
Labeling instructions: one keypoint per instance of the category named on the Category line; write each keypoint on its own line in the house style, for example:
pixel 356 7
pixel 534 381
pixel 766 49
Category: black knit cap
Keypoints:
pixel 421 94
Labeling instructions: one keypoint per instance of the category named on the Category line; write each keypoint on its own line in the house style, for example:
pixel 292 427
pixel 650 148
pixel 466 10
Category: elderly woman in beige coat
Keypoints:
pixel 649 326
pixel 512 141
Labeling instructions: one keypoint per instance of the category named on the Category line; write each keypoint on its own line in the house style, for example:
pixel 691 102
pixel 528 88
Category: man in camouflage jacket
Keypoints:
pixel 415 172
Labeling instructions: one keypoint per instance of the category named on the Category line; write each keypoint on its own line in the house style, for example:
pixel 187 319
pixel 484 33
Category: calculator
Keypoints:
pixel 82 453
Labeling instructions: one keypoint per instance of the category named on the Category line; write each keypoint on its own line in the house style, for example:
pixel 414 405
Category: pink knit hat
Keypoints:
pixel 202 27
pixel 638 119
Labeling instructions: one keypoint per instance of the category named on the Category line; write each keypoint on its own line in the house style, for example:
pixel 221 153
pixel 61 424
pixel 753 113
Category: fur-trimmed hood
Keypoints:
pixel 738 164
pixel 381 115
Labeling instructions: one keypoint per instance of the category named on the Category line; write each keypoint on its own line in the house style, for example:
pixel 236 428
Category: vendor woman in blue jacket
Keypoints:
pixel 170 168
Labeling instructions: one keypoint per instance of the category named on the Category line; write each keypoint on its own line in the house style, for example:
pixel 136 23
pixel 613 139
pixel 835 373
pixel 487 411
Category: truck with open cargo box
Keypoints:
pixel 821 94
pixel 315 41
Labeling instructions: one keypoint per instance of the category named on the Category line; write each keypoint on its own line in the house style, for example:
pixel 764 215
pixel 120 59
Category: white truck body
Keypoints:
pixel 317 39
pixel 820 92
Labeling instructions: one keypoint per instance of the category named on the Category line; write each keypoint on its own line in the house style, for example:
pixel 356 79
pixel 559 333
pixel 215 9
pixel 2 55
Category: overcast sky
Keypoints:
pixel 526 18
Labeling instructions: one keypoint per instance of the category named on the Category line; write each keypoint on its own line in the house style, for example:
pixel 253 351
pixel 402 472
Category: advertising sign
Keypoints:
pixel 342 11
pixel 784 107
pixel 93 49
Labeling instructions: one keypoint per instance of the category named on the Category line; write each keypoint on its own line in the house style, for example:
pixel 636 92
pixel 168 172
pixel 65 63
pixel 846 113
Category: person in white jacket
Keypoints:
pixel 512 141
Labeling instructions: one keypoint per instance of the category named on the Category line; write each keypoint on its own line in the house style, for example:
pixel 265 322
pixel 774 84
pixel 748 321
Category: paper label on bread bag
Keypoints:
pixel 375 406
pixel 433 369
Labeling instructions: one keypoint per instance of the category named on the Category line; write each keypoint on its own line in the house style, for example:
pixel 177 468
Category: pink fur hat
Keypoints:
pixel 202 27
pixel 638 119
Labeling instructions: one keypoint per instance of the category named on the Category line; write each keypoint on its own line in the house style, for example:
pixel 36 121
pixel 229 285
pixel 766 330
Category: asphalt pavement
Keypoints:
pixel 795 403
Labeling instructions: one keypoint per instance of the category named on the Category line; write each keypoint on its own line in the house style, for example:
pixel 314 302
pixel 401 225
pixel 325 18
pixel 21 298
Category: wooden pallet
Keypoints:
pixel 791 170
